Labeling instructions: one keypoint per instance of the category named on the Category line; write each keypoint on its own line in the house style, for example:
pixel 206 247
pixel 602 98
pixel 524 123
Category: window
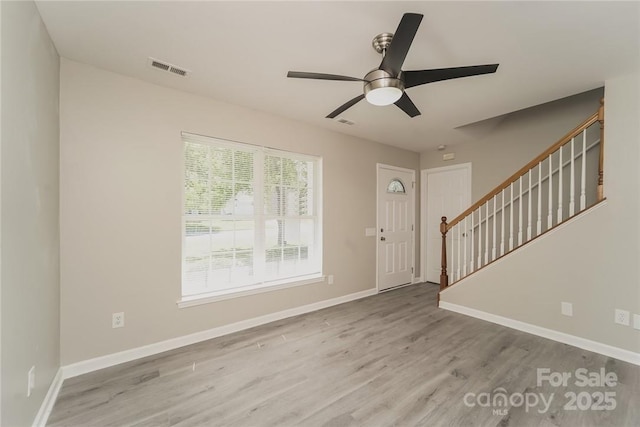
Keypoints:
pixel 251 217
pixel 396 186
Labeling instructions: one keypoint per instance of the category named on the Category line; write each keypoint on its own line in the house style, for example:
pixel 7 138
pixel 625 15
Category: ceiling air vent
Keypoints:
pixel 345 121
pixel 170 68
pixel 178 71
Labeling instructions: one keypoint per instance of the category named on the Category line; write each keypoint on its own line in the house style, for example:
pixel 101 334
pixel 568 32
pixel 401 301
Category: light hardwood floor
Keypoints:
pixel 391 359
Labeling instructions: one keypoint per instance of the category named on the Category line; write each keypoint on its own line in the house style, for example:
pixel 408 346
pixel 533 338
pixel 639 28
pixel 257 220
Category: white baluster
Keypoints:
pixel 486 234
pixel 529 209
pixel 539 222
pixel 459 244
pixel 559 218
pixel 502 226
pixel 466 231
pixel 550 215
pixel 473 243
pixel 511 220
pixel 451 260
pixel 520 214
pixel 480 237
pixel 493 247
pixel 572 183
pixel 583 178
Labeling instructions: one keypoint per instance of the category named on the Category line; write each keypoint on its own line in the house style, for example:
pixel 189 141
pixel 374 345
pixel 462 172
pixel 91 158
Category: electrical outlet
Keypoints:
pixel 330 279
pixel 31 380
pixel 117 321
pixel 622 317
pixel 636 321
pixel 566 308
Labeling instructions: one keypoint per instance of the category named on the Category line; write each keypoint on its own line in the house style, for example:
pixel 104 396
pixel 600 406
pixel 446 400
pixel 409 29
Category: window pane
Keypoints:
pixel 232 235
pixel 273 200
pixel 395 186
pixel 221 194
pixel 196 179
pixel 196 253
pixel 292 202
pixel 243 167
pixel 306 201
pixel 221 159
pixel 231 270
pixel 272 170
pixel 290 248
pixel 290 172
pixel 241 202
pixel 272 233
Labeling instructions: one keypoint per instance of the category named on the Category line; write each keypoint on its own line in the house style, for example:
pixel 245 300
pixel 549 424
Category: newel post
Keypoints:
pixel 444 277
pixel 601 161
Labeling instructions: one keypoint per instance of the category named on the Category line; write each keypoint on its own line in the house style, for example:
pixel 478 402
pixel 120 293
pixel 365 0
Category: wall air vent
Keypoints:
pixel 170 68
pixel 345 121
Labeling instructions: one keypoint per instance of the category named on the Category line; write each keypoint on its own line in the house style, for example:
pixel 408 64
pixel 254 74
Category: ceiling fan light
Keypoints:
pixel 381 88
pixel 383 95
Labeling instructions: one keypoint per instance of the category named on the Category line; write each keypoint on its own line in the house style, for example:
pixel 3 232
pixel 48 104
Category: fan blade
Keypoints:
pixel 406 105
pixel 321 76
pixel 400 43
pixel 416 78
pixel 345 106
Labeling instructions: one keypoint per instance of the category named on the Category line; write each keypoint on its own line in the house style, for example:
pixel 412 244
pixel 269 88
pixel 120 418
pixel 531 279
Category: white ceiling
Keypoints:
pixel 240 52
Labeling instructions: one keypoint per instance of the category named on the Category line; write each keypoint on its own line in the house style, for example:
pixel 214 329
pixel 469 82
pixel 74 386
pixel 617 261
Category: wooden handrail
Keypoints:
pixel 598 116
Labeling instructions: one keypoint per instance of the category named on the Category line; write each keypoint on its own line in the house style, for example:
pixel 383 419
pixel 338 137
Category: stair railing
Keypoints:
pixel 556 185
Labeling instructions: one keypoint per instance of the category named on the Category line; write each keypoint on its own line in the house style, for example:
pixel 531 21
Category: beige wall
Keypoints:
pixel 121 180
pixel 592 262
pixel 502 146
pixel 30 232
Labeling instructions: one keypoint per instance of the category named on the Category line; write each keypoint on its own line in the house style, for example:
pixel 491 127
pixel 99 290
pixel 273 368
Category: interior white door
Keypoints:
pixel 396 196
pixel 448 193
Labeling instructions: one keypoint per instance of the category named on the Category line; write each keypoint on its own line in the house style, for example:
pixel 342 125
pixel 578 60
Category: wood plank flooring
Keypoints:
pixel 393 359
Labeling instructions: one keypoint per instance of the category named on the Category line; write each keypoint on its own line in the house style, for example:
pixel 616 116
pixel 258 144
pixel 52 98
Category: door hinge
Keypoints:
pixel 413 184
pixel 411 270
pixel 411 227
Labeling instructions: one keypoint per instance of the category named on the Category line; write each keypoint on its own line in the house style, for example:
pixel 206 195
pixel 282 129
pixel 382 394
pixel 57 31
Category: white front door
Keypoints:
pixel 447 192
pixel 396 195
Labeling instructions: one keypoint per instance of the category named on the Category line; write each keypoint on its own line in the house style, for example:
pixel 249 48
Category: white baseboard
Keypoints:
pixel 106 361
pixel 47 404
pixel 583 343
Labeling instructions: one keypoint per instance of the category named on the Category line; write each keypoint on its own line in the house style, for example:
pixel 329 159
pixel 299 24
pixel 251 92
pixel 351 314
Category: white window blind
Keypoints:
pixel 250 218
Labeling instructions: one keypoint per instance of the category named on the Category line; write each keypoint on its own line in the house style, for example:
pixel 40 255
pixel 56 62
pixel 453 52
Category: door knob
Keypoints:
pixel 383 238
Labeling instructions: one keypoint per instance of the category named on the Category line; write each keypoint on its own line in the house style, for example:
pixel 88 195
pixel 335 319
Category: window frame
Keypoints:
pixel 259 216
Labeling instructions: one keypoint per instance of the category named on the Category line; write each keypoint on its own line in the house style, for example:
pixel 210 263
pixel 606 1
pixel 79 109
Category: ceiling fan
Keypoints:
pixel 386 84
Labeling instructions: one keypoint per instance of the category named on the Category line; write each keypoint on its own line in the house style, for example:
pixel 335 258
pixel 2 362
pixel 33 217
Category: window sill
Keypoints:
pixel 193 300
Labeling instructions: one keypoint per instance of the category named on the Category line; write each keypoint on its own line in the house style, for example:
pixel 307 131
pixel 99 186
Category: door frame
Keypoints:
pixel 412 216
pixel 424 177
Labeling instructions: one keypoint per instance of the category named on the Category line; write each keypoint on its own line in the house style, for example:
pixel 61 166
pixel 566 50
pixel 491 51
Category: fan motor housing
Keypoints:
pixel 381 80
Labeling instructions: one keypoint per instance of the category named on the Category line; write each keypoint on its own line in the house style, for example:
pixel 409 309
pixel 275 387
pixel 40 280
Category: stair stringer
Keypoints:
pixel 572 263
